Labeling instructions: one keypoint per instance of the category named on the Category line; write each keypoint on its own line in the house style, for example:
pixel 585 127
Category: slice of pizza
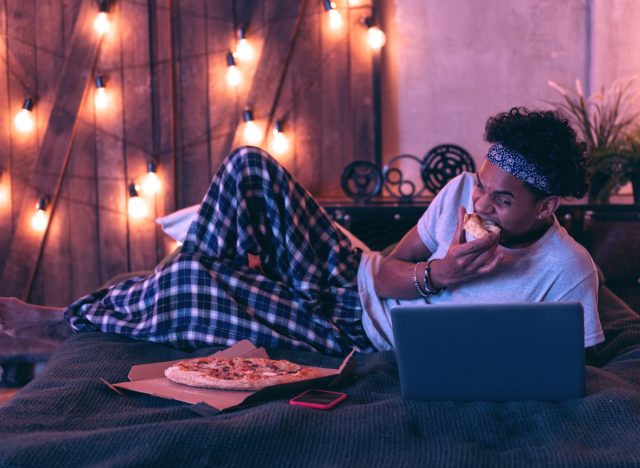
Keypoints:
pixel 478 227
pixel 238 373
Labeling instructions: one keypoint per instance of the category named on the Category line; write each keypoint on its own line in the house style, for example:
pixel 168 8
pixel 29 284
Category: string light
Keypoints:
pixel 335 19
pixel 101 24
pixel 375 36
pixel 252 133
pixel 244 51
pixel 137 206
pixel 101 98
pixel 151 184
pixel 39 220
pixel 279 142
pixel 24 118
pixel 234 77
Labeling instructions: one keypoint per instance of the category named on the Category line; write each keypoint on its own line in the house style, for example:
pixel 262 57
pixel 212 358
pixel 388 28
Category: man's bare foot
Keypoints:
pixel 21 319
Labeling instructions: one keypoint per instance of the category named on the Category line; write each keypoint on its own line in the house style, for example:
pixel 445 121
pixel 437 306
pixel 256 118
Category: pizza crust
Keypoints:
pixel 238 373
pixel 479 227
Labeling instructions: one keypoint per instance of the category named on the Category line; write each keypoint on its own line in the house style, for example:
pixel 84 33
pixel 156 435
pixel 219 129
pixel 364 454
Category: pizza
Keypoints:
pixel 478 227
pixel 238 373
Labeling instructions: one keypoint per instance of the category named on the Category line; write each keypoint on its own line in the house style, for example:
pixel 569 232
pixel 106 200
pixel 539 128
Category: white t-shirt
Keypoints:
pixel 553 269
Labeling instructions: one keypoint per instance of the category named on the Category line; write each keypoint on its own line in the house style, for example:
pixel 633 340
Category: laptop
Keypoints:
pixel 490 352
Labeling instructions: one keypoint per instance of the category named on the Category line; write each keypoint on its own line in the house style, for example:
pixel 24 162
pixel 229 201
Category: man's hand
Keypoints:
pixel 465 260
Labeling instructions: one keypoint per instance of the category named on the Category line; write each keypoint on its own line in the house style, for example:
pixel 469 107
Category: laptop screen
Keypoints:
pixel 493 352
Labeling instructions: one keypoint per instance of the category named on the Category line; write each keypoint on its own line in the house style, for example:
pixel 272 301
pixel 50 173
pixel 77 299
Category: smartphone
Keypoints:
pixel 318 399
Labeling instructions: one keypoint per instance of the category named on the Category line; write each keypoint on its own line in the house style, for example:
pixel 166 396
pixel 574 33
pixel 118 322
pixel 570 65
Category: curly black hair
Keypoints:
pixel 549 142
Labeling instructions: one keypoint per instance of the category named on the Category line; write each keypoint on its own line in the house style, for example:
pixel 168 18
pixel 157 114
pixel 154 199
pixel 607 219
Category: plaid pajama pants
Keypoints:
pixel 305 297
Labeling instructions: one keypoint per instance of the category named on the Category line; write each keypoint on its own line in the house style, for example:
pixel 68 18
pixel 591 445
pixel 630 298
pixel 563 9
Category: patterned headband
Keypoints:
pixel 518 166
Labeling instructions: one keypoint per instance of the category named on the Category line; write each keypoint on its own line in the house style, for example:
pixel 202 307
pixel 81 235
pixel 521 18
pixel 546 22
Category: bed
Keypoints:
pixel 67 416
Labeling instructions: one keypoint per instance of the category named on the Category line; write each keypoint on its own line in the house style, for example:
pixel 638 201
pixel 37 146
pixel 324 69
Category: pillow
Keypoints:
pixel 176 225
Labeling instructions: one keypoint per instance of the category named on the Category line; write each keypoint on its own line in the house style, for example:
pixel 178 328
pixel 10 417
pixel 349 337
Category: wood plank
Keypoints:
pixel 308 100
pixel 6 218
pixel 53 279
pixel 81 189
pixel 111 180
pixel 134 27
pixel 361 88
pixel 21 83
pixel 27 243
pixel 336 140
pixel 193 98
pixel 163 111
pixel 225 108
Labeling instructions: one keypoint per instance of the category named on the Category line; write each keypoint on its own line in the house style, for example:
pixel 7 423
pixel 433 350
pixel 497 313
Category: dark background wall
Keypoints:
pixel 164 67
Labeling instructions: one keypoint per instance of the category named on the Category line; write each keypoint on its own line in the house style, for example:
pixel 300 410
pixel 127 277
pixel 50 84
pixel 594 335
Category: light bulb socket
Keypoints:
pixel 369 22
pixel 231 61
pixel 242 32
pixel 151 166
pixel 133 191
pixel 28 104
pixel 247 115
pixel 100 81
pixel 328 5
pixel 42 203
pixel 278 126
pixel 104 6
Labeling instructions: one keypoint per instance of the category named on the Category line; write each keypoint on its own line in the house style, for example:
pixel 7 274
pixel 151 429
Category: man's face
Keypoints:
pixel 500 197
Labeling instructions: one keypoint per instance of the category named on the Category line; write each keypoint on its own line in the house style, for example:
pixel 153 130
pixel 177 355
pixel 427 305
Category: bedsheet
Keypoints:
pixel 68 417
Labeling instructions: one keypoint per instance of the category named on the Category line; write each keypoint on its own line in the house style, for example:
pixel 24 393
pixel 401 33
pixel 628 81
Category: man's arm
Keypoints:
pixel 463 262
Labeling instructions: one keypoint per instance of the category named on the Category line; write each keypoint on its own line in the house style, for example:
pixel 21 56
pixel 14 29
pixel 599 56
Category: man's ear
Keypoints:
pixel 547 206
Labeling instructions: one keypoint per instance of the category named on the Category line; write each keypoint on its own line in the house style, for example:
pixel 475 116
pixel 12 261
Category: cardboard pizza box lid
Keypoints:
pixel 150 379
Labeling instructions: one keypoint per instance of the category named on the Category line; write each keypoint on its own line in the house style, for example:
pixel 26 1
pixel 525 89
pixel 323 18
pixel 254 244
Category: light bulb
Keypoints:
pixel 101 99
pixel 244 51
pixel 4 194
pixel 151 184
pixel 101 24
pixel 137 206
pixel 234 77
pixel 24 121
pixel 252 133
pixel 24 118
pixel 39 220
pixel 376 37
pixel 335 18
pixel 279 142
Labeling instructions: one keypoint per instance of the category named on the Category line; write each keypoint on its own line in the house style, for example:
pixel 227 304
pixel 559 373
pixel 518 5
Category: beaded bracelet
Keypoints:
pixel 416 283
pixel 428 282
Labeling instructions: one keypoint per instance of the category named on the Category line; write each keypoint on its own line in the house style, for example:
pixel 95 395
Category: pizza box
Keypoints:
pixel 150 379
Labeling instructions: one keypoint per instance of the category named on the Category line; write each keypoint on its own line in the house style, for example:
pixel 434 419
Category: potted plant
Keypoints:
pixel 606 122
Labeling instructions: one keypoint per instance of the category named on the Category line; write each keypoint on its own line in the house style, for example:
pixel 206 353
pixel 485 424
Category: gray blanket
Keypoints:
pixel 68 417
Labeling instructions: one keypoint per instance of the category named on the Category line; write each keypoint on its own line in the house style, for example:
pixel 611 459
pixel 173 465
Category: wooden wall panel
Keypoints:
pixel 137 125
pixel 164 64
pixel 307 95
pixel 361 87
pixel 193 101
pixel 162 106
pixel 224 101
pixel 6 218
pixel 111 180
pixel 21 72
pixel 52 280
pixel 336 105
